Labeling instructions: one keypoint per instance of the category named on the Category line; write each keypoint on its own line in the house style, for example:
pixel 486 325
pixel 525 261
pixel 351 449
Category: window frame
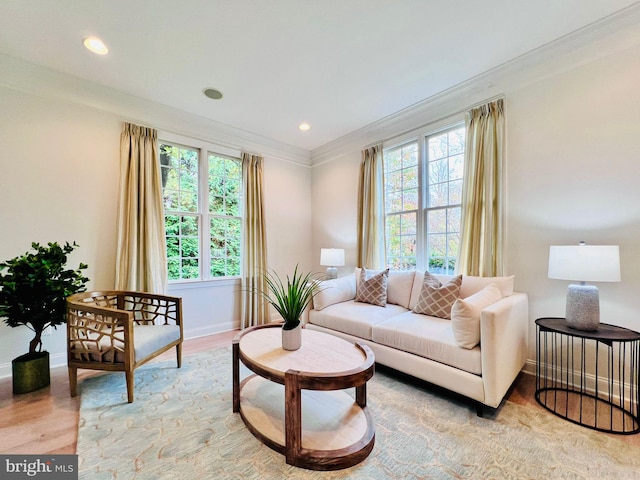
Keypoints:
pixel 420 137
pixel 204 148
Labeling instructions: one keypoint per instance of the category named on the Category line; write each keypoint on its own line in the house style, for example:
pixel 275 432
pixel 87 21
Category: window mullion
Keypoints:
pixel 203 207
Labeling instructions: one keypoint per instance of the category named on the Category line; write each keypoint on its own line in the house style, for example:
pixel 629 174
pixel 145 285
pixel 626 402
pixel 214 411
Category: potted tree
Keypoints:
pixel 290 299
pixel 33 292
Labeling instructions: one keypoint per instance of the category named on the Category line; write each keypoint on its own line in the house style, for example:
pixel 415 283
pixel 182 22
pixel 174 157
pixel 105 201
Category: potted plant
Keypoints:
pixel 290 299
pixel 33 292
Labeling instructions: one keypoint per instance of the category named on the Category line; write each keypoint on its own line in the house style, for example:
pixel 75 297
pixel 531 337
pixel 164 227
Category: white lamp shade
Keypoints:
pixel 585 263
pixel 332 257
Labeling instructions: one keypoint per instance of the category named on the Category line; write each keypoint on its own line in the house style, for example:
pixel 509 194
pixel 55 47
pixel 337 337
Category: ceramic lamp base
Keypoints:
pixel 332 272
pixel 583 307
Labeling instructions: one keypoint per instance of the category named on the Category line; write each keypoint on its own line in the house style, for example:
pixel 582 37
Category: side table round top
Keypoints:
pixel 604 331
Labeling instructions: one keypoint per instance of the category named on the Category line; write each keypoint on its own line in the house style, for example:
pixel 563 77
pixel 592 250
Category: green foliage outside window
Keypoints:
pixel 183 217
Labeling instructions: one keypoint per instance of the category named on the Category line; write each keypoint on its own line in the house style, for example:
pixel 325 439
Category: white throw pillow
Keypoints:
pixel 465 315
pixel 471 285
pixel 334 291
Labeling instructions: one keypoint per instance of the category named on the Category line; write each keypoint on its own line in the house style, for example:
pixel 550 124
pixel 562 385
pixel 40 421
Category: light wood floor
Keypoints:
pixel 46 421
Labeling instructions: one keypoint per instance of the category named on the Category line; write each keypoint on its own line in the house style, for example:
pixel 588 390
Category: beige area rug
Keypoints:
pixel 181 427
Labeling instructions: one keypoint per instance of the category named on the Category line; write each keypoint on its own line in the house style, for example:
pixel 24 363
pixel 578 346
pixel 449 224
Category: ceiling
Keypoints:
pixel 337 64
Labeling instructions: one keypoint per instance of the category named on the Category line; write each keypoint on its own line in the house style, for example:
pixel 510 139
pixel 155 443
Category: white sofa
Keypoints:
pixel 426 347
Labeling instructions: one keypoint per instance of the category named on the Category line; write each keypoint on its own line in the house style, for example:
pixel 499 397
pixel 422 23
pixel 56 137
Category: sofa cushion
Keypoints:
pixel 465 315
pixel 399 285
pixel 354 318
pixel 428 337
pixel 471 285
pixel 372 287
pixel 335 291
pixel 435 298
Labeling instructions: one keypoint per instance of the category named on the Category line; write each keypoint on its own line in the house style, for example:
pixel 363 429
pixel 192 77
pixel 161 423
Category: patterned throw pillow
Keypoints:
pixel 436 299
pixel 372 287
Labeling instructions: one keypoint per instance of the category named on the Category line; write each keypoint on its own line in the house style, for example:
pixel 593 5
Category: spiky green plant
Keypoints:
pixel 290 298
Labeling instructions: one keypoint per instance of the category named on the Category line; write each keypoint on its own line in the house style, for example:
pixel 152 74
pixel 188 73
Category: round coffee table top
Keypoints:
pixel 319 353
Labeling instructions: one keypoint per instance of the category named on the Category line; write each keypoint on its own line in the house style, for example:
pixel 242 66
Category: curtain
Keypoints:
pixel 255 310
pixel 141 251
pixel 371 238
pixel 481 245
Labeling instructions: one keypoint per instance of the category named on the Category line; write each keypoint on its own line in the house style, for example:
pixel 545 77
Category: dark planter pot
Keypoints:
pixel 30 372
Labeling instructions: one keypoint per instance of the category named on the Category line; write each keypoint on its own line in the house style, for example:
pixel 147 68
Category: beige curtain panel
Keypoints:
pixel 370 241
pixel 141 257
pixel 482 242
pixel 255 310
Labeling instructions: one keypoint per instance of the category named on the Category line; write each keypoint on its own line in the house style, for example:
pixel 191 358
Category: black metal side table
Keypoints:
pixel 589 377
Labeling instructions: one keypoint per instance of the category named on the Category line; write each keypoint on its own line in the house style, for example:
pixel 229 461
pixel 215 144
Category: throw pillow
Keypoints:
pixel 335 291
pixel 465 315
pixel 372 287
pixel 436 299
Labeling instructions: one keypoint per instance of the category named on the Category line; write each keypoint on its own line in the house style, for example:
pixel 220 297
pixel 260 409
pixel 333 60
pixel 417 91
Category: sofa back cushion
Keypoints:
pixel 465 315
pixel 437 299
pixel 471 285
pixel 399 285
pixel 335 291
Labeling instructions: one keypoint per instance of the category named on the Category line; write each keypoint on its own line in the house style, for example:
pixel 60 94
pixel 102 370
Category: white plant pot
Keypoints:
pixel 292 339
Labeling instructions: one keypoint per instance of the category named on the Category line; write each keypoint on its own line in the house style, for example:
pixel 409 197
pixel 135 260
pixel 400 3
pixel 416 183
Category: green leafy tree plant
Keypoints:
pixel 291 296
pixel 34 288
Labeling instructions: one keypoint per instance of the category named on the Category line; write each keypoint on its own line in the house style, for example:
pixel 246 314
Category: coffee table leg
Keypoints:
pixel 292 417
pixel 361 395
pixel 236 377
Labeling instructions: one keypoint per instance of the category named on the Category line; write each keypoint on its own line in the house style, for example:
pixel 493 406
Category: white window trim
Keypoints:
pixel 204 148
pixel 419 135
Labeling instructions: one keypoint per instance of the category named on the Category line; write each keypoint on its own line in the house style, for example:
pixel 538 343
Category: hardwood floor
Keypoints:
pixel 46 421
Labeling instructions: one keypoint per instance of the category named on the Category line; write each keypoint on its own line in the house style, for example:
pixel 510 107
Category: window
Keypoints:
pixel 423 194
pixel 203 221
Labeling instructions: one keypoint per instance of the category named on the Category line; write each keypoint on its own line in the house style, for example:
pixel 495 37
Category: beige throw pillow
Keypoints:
pixel 465 315
pixel 372 287
pixel 436 299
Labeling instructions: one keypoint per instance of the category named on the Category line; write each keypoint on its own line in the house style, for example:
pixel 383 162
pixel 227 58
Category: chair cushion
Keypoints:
pixel 148 339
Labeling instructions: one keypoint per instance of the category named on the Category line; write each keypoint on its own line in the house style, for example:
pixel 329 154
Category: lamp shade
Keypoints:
pixel 585 263
pixel 333 257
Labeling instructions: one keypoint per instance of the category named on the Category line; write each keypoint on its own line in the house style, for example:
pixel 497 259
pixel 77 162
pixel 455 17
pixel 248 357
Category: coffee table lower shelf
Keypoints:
pixel 337 432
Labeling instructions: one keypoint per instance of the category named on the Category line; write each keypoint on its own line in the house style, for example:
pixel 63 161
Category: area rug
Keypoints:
pixel 181 426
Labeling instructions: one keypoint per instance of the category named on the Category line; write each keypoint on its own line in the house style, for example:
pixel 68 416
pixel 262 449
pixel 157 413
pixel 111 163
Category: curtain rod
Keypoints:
pixel 465 110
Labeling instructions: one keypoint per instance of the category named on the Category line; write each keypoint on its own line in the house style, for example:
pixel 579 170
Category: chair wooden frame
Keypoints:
pixel 100 331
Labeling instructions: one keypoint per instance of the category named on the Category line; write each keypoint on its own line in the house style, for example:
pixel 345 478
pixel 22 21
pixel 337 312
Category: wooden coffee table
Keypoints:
pixel 312 420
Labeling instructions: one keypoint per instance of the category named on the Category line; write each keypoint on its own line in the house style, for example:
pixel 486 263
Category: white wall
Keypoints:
pixel 573 174
pixel 59 182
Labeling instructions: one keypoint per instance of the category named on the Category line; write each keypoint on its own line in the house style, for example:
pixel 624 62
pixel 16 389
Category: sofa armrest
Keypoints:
pixel 503 345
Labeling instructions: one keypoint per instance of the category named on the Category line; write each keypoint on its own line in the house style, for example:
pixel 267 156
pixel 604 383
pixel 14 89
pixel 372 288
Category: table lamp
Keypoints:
pixel 584 263
pixel 332 257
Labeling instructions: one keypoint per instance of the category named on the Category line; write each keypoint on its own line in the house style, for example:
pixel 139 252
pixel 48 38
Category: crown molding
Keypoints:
pixel 610 35
pixel 25 77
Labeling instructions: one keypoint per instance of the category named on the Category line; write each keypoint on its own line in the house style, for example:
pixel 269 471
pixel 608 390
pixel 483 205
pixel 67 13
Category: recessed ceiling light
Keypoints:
pixel 212 93
pixel 96 45
pixel 304 126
